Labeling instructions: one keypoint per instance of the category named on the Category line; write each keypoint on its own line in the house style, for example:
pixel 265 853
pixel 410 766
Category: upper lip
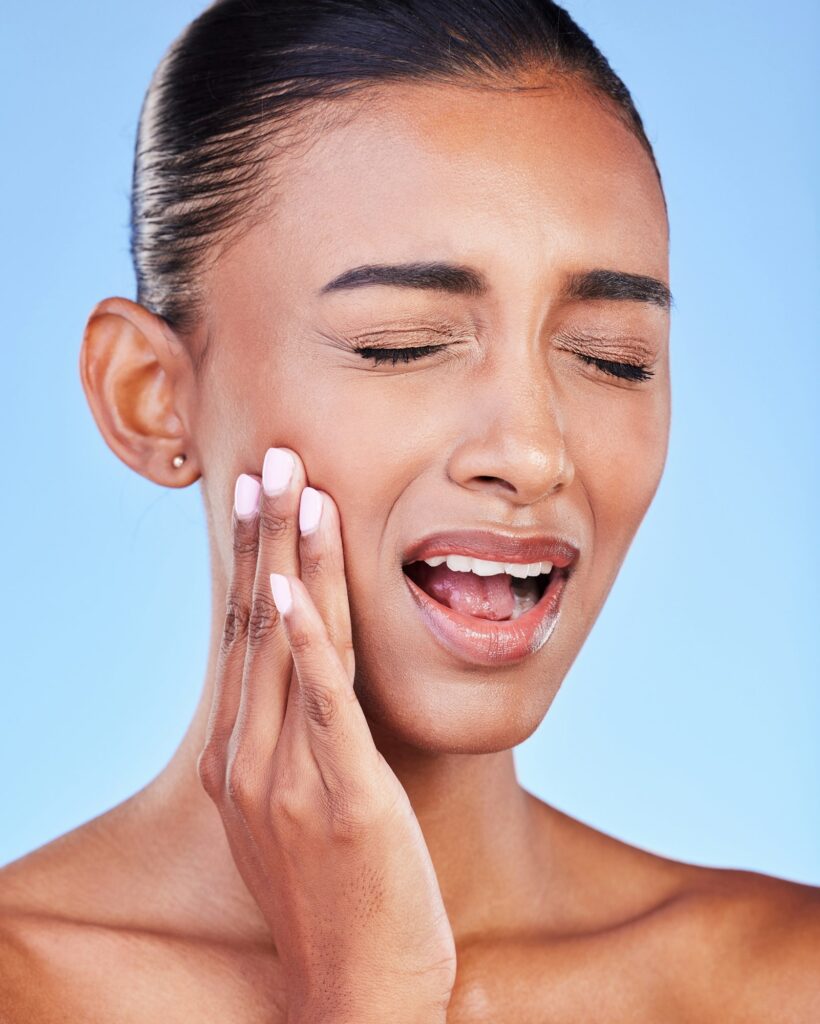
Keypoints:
pixel 494 546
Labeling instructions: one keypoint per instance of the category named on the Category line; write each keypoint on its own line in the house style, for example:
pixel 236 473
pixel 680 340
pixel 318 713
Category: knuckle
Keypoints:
pixel 312 566
pixel 240 786
pixel 210 770
pixel 321 704
pixel 262 620
pixel 286 806
pixel 235 627
pixel 300 641
pixel 245 540
pixel 273 525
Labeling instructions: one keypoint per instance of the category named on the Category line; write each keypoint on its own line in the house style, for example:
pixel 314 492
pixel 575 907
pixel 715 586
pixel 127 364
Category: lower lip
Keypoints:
pixel 488 642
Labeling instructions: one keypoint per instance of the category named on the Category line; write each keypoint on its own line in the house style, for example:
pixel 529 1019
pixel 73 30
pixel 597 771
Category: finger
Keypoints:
pixel 231 657
pixel 321 559
pixel 268 663
pixel 340 737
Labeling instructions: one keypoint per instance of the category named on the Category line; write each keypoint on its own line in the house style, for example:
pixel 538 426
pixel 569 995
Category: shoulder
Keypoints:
pixel 28 986
pixel 718 944
pixel 752 942
pixel 49 939
pixel 81 936
pixel 28 901
pixel 732 946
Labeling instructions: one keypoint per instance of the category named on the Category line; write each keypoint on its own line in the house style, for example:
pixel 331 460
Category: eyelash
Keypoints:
pixel 624 371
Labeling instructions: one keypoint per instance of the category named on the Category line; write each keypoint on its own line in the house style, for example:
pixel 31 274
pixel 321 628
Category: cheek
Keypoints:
pixel 365 437
pixel 244 407
pixel 619 447
pixel 342 428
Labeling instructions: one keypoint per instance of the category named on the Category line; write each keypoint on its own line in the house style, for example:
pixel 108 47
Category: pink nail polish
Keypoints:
pixel 277 469
pixel 246 496
pixel 280 588
pixel 310 510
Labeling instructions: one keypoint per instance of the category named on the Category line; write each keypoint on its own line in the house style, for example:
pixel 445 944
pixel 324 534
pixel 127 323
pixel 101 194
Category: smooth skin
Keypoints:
pixel 158 910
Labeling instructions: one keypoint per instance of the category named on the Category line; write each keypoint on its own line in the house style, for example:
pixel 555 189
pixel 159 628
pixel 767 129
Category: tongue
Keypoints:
pixel 485 597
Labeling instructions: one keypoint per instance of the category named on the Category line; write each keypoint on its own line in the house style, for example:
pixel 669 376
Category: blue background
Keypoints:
pixel 689 722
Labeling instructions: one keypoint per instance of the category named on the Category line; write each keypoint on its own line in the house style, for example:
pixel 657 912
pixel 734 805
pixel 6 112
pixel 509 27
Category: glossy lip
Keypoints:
pixel 494 546
pixel 483 641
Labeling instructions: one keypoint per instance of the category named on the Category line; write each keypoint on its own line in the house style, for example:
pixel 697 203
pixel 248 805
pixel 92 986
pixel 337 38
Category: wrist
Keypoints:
pixel 372 1013
pixel 387 999
pixel 420 1017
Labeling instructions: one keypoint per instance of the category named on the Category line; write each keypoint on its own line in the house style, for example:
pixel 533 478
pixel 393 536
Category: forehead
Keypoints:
pixel 520 182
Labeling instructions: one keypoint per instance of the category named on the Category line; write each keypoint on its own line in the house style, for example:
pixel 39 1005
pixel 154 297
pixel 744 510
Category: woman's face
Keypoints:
pixel 506 428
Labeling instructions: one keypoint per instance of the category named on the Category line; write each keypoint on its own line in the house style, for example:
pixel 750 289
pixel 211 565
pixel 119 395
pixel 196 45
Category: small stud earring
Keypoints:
pixel 178 460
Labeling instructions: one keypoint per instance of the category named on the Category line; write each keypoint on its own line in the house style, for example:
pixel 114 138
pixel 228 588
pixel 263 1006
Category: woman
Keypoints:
pixel 403 308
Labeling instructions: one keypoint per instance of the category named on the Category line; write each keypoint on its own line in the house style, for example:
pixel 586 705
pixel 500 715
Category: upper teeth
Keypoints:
pixel 462 563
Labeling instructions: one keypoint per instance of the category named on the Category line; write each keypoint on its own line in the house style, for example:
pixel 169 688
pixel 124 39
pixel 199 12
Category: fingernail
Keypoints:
pixel 310 510
pixel 246 496
pixel 277 469
pixel 280 588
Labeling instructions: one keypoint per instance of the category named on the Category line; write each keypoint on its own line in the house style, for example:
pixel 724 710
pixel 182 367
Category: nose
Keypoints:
pixel 514 439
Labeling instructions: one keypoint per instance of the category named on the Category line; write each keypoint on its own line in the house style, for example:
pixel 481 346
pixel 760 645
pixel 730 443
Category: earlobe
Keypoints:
pixel 139 383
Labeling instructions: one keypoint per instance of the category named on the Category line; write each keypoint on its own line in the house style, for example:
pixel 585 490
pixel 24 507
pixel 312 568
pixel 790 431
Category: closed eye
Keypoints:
pixel 625 371
pixel 405 355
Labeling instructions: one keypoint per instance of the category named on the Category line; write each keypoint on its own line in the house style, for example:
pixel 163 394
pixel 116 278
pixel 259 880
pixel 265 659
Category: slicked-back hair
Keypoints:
pixel 248 79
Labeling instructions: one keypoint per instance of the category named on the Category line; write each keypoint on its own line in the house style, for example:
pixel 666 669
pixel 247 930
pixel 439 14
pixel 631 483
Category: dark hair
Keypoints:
pixel 242 83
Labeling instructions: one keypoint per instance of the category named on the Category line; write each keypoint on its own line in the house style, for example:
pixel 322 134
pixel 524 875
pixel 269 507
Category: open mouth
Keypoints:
pixel 491 601
pixel 500 597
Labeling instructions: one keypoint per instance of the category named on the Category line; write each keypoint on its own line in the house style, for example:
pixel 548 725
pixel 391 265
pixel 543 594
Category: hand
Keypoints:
pixel 322 831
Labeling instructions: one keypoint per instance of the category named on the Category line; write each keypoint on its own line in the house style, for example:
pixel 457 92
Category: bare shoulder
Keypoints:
pixel 753 940
pixel 60 924
pixel 28 986
pixel 722 945
pixel 85 936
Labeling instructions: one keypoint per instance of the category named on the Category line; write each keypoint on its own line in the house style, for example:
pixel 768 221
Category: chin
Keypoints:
pixel 418 693
pixel 464 713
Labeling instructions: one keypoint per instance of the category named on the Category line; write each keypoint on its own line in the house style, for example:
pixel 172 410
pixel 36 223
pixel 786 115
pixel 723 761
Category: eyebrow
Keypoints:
pixel 456 279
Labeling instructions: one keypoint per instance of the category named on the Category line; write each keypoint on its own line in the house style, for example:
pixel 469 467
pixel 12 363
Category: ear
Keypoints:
pixel 139 381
